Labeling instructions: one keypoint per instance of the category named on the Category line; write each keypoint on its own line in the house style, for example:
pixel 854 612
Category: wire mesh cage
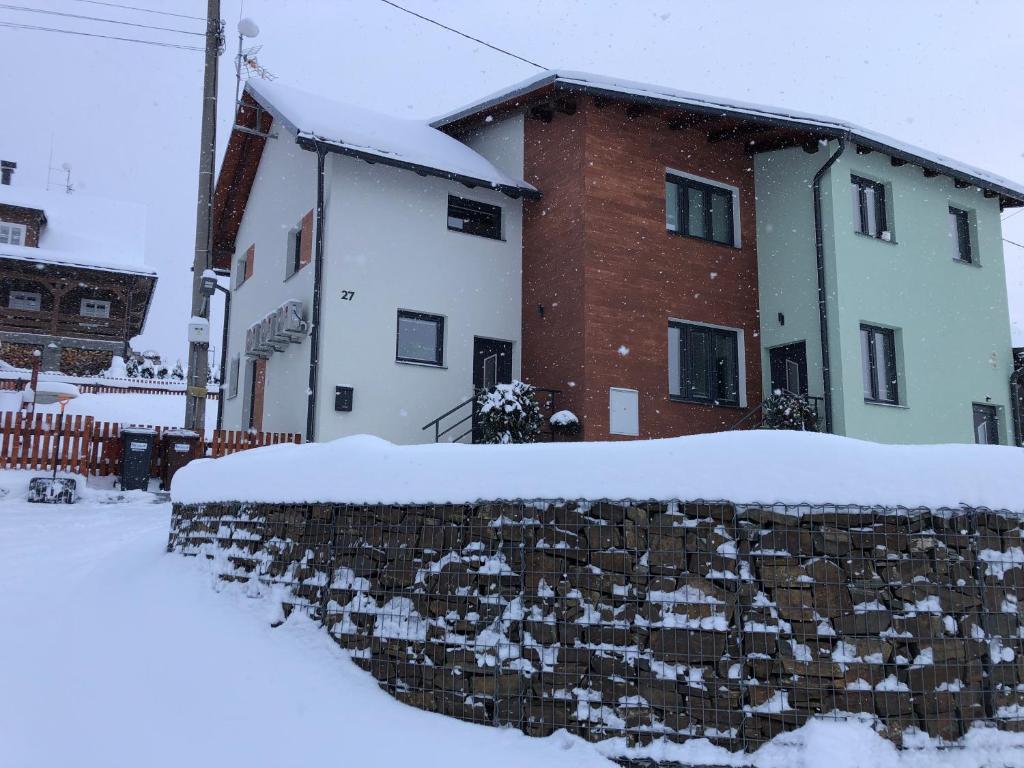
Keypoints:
pixel 648 620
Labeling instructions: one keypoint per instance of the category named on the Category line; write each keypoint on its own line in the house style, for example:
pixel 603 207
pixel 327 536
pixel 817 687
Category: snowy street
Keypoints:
pixel 115 653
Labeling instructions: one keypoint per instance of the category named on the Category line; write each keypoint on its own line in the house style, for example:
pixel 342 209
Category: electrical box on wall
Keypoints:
pixel 343 398
pixel 199 330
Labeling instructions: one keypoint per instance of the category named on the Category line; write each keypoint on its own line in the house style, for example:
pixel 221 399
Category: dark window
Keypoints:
pixel 474 218
pixel 986 425
pixel 297 250
pixel 709 365
pixel 699 210
pixel 869 207
pixel 878 363
pixel 960 234
pixel 420 338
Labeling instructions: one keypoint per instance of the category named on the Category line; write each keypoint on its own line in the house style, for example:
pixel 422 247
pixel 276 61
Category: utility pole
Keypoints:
pixel 199 342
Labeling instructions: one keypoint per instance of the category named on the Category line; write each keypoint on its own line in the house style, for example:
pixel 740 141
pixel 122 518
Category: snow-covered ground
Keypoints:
pixel 115 653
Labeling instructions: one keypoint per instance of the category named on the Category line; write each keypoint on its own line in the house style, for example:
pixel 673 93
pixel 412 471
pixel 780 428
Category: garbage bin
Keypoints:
pixel 136 457
pixel 177 448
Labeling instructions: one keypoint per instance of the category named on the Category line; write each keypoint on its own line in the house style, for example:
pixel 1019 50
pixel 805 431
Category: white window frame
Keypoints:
pixel 25 300
pixel 674 363
pixel 100 311
pixel 7 230
pixel 737 240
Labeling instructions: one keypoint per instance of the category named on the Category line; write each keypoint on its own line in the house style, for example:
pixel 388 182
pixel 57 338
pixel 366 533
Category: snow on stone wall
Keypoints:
pixel 659 620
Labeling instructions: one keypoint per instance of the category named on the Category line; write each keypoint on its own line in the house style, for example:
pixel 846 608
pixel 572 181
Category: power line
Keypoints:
pixel 1007 218
pixel 97 18
pixel 13 25
pixel 1012 242
pixel 144 10
pixel 463 34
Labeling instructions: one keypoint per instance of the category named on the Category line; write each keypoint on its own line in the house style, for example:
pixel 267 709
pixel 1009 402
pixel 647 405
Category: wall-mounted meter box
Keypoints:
pixel 199 330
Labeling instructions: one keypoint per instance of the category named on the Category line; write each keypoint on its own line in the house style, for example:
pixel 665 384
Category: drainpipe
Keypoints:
pixel 819 251
pixel 318 259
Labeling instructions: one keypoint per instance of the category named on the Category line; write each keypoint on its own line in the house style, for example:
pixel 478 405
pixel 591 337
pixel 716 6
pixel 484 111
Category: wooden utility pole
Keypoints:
pixel 198 348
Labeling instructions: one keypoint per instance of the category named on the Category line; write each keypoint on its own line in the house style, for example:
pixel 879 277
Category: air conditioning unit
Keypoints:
pixel 292 322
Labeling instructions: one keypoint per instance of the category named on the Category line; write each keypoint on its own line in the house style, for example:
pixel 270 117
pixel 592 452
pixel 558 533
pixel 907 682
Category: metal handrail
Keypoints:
pixel 814 400
pixel 552 395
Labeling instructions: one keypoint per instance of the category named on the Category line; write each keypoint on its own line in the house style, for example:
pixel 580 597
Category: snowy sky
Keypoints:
pixel 943 74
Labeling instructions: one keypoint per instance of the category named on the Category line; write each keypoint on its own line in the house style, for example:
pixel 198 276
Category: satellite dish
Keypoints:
pixel 248 28
pixel 66 166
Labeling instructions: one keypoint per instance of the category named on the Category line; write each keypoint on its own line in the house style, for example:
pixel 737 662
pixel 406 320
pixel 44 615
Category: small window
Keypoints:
pixel 95 308
pixel 878 364
pixel 246 265
pixel 420 338
pixel 699 210
pixel 708 365
pixel 960 235
pixel 986 424
pixel 869 216
pixel 474 218
pixel 25 300
pixel 295 250
pixel 233 377
pixel 12 234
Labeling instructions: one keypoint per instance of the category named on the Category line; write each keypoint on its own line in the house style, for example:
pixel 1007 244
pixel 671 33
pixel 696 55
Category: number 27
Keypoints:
pixel 348 295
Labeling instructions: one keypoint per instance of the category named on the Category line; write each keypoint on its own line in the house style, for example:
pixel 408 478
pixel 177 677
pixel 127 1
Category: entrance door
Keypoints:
pixel 789 368
pixel 257 383
pixel 492 364
pixel 986 424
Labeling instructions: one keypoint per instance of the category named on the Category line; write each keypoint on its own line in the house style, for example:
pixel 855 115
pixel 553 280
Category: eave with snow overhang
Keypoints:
pixel 319 124
pixel 762 128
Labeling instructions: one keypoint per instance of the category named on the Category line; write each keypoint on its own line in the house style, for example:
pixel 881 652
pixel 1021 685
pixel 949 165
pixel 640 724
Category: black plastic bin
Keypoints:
pixel 136 456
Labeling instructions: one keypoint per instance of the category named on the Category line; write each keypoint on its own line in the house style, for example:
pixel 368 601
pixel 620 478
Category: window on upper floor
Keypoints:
pixel 12 234
pixel 878 364
pixel 704 363
pixel 420 338
pixel 869 208
pixel 245 266
pixel 700 209
pixel 25 300
pixel 960 235
pixel 94 308
pixel 474 218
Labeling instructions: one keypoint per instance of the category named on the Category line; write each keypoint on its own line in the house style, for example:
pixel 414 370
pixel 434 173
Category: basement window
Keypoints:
pixel 420 338
pixel 25 300
pixel 12 234
pixel 94 308
pixel 474 218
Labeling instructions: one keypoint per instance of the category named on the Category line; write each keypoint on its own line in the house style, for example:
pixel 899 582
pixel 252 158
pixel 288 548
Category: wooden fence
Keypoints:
pixel 90 447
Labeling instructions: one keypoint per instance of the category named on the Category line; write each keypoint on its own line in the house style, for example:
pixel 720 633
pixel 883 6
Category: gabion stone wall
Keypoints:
pixel 650 620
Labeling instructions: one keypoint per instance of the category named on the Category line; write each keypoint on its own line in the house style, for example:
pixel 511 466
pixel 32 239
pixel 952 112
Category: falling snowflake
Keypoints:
pixel 623 350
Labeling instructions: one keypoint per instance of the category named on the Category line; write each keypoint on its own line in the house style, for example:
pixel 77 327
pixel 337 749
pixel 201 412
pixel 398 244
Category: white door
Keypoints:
pixel 623 411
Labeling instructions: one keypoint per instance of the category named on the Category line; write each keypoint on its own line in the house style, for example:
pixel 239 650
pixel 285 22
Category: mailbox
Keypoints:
pixel 343 398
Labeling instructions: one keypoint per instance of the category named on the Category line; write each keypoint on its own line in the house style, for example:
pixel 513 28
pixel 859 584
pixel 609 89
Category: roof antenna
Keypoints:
pixel 246 62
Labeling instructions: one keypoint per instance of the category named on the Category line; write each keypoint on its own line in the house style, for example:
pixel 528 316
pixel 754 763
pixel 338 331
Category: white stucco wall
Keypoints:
pixel 387 241
pixel 284 190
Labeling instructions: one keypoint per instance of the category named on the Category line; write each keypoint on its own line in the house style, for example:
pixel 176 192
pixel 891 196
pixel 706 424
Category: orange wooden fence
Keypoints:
pixel 91 447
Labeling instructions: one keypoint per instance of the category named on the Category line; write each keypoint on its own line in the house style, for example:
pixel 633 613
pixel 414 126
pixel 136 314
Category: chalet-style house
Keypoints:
pixel 662 260
pixel 72 284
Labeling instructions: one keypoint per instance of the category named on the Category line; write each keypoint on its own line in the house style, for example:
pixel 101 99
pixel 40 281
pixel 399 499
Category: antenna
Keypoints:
pixel 246 62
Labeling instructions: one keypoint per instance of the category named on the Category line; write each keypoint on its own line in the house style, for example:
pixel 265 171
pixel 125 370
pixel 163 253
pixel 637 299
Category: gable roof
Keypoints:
pixel 411 144
pixel 82 231
pixel 1012 193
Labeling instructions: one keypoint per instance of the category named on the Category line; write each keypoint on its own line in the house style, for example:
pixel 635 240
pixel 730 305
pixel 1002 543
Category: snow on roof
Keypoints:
pixel 394 140
pixel 742 467
pixel 83 231
pixel 660 93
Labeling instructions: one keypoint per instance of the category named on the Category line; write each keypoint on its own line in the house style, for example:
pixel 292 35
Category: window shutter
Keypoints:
pixel 673 362
pixel 250 259
pixel 306 242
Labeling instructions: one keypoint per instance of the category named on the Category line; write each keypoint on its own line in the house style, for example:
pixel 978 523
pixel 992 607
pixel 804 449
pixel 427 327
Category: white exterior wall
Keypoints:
pixel 501 142
pixel 284 191
pixel 387 240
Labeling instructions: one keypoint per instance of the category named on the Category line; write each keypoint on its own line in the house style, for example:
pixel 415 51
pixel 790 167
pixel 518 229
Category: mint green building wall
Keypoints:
pixel 951 319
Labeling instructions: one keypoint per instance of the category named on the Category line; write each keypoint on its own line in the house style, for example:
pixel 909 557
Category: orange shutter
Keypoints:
pixel 306 242
pixel 250 258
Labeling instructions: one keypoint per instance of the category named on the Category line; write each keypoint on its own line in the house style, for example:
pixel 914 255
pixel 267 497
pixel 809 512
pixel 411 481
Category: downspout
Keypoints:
pixel 318 259
pixel 222 397
pixel 819 252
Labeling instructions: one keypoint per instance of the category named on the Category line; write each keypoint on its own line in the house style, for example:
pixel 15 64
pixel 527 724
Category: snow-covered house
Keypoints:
pixel 73 285
pixel 654 256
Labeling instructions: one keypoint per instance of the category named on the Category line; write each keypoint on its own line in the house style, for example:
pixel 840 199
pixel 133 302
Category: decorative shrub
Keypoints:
pixel 786 410
pixel 509 413
pixel 565 423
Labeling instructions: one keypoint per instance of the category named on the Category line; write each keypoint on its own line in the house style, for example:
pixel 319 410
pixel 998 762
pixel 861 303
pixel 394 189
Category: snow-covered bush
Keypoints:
pixel 786 410
pixel 565 423
pixel 509 413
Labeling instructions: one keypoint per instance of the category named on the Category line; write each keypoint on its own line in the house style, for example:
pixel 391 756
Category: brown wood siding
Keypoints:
pixel 33 220
pixel 259 370
pixel 250 261
pixel 635 275
pixel 553 344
